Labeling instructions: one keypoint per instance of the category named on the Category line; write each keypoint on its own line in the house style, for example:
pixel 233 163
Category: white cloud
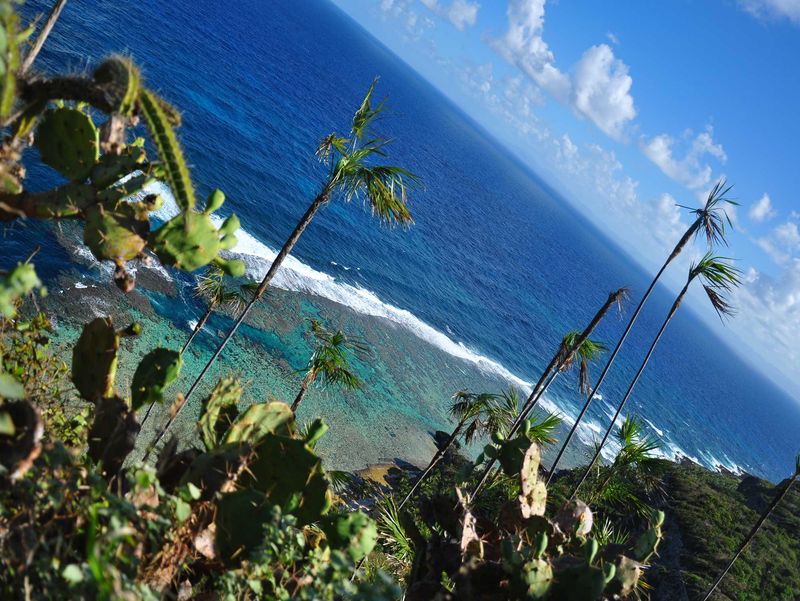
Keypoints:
pixel 769 315
pixel 599 87
pixel 762 210
pixel 781 243
pixel 693 170
pixel 512 98
pixel 414 24
pixel 601 90
pixel 612 37
pixel 597 174
pixel 523 46
pixel 773 9
pixel 461 13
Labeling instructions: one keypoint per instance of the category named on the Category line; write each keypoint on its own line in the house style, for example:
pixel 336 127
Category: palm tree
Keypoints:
pixel 504 414
pixel 352 174
pixel 764 516
pixel 586 351
pixel 635 470
pixel 710 219
pixel 474 415
pixel 575 345
pixel 211 287
pixel 328 363
pixel 719 278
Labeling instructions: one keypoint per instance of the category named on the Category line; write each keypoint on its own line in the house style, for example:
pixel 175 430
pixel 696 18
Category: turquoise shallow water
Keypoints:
pixel 478 293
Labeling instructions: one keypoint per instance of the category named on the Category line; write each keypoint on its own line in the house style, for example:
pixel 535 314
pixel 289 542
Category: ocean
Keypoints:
pixel 477 293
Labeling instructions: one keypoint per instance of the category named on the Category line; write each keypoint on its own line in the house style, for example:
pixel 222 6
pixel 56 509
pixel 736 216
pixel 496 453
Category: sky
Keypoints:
pixel 630 108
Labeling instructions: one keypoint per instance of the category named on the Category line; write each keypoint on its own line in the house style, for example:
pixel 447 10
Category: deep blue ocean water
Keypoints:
pixel 497 267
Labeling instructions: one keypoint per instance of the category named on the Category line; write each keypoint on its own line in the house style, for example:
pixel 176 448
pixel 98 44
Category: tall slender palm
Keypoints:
pixel 751 535
pixel 352 174
pixel 574 346
pixel 212 288
pixel 719 278
pixel 329 364
pixel 474 414
pixel 710 220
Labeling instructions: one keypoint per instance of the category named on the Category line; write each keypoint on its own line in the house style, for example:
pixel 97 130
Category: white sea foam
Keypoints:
pixel 296 276
pixel 655 428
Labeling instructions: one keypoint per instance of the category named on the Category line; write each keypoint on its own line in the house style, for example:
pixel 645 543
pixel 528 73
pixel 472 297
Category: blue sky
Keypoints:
pixel 630 107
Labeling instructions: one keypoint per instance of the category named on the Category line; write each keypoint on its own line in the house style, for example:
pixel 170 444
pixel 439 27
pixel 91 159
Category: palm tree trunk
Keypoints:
pixel 551 372
pixel 436 458
pixel 632 385
pixel 764 516
pixel 675 252
pixel 195 331
pixel 199 326
pixel 299 398
pixel 321 199
pixel 55 12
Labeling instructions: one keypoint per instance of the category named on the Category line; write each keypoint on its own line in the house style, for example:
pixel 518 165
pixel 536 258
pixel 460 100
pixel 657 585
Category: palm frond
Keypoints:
pixel 503 412
pixel 543 432
pixel 712 217
pixel 392 533
pixel 719 278
pixel 621 297
pixel 328 144
pixel 340 480
pixel 366 114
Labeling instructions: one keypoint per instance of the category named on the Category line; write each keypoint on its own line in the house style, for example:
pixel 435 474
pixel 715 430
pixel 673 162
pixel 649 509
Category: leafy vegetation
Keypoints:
pixel 249 512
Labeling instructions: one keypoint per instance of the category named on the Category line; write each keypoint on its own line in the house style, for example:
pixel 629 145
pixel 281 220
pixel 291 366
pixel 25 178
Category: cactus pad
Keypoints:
pixel 113 434
pixel 533 497
pixel 94 360
pixel 291 475
pixel 354 533
pixel 190 241
pixel 176 172
pixel 69 142
pixel 14 285
pixel 259 420
pixel 159 368
pixel 118 234
pixel 537 576
pixel 239 523
pixel 121 81
pixel 219 411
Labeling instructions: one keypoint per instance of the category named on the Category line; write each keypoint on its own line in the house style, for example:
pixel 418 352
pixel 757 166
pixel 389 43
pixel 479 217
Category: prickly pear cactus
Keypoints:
pixel 240 520
pixel 69 142
pixel 9 55
pixel 647 543
pixel 117 234
pixel 291 475
pixel 14 285
pixel 537 576
pixel 176 172
pixel 259 420
pixel 113 434
pixel 121 80
pixel 219 412
pixel 113 167
pixel 94 359
pixel 533 498
pixel 190 240
pixel 353 533
pixel 159 368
